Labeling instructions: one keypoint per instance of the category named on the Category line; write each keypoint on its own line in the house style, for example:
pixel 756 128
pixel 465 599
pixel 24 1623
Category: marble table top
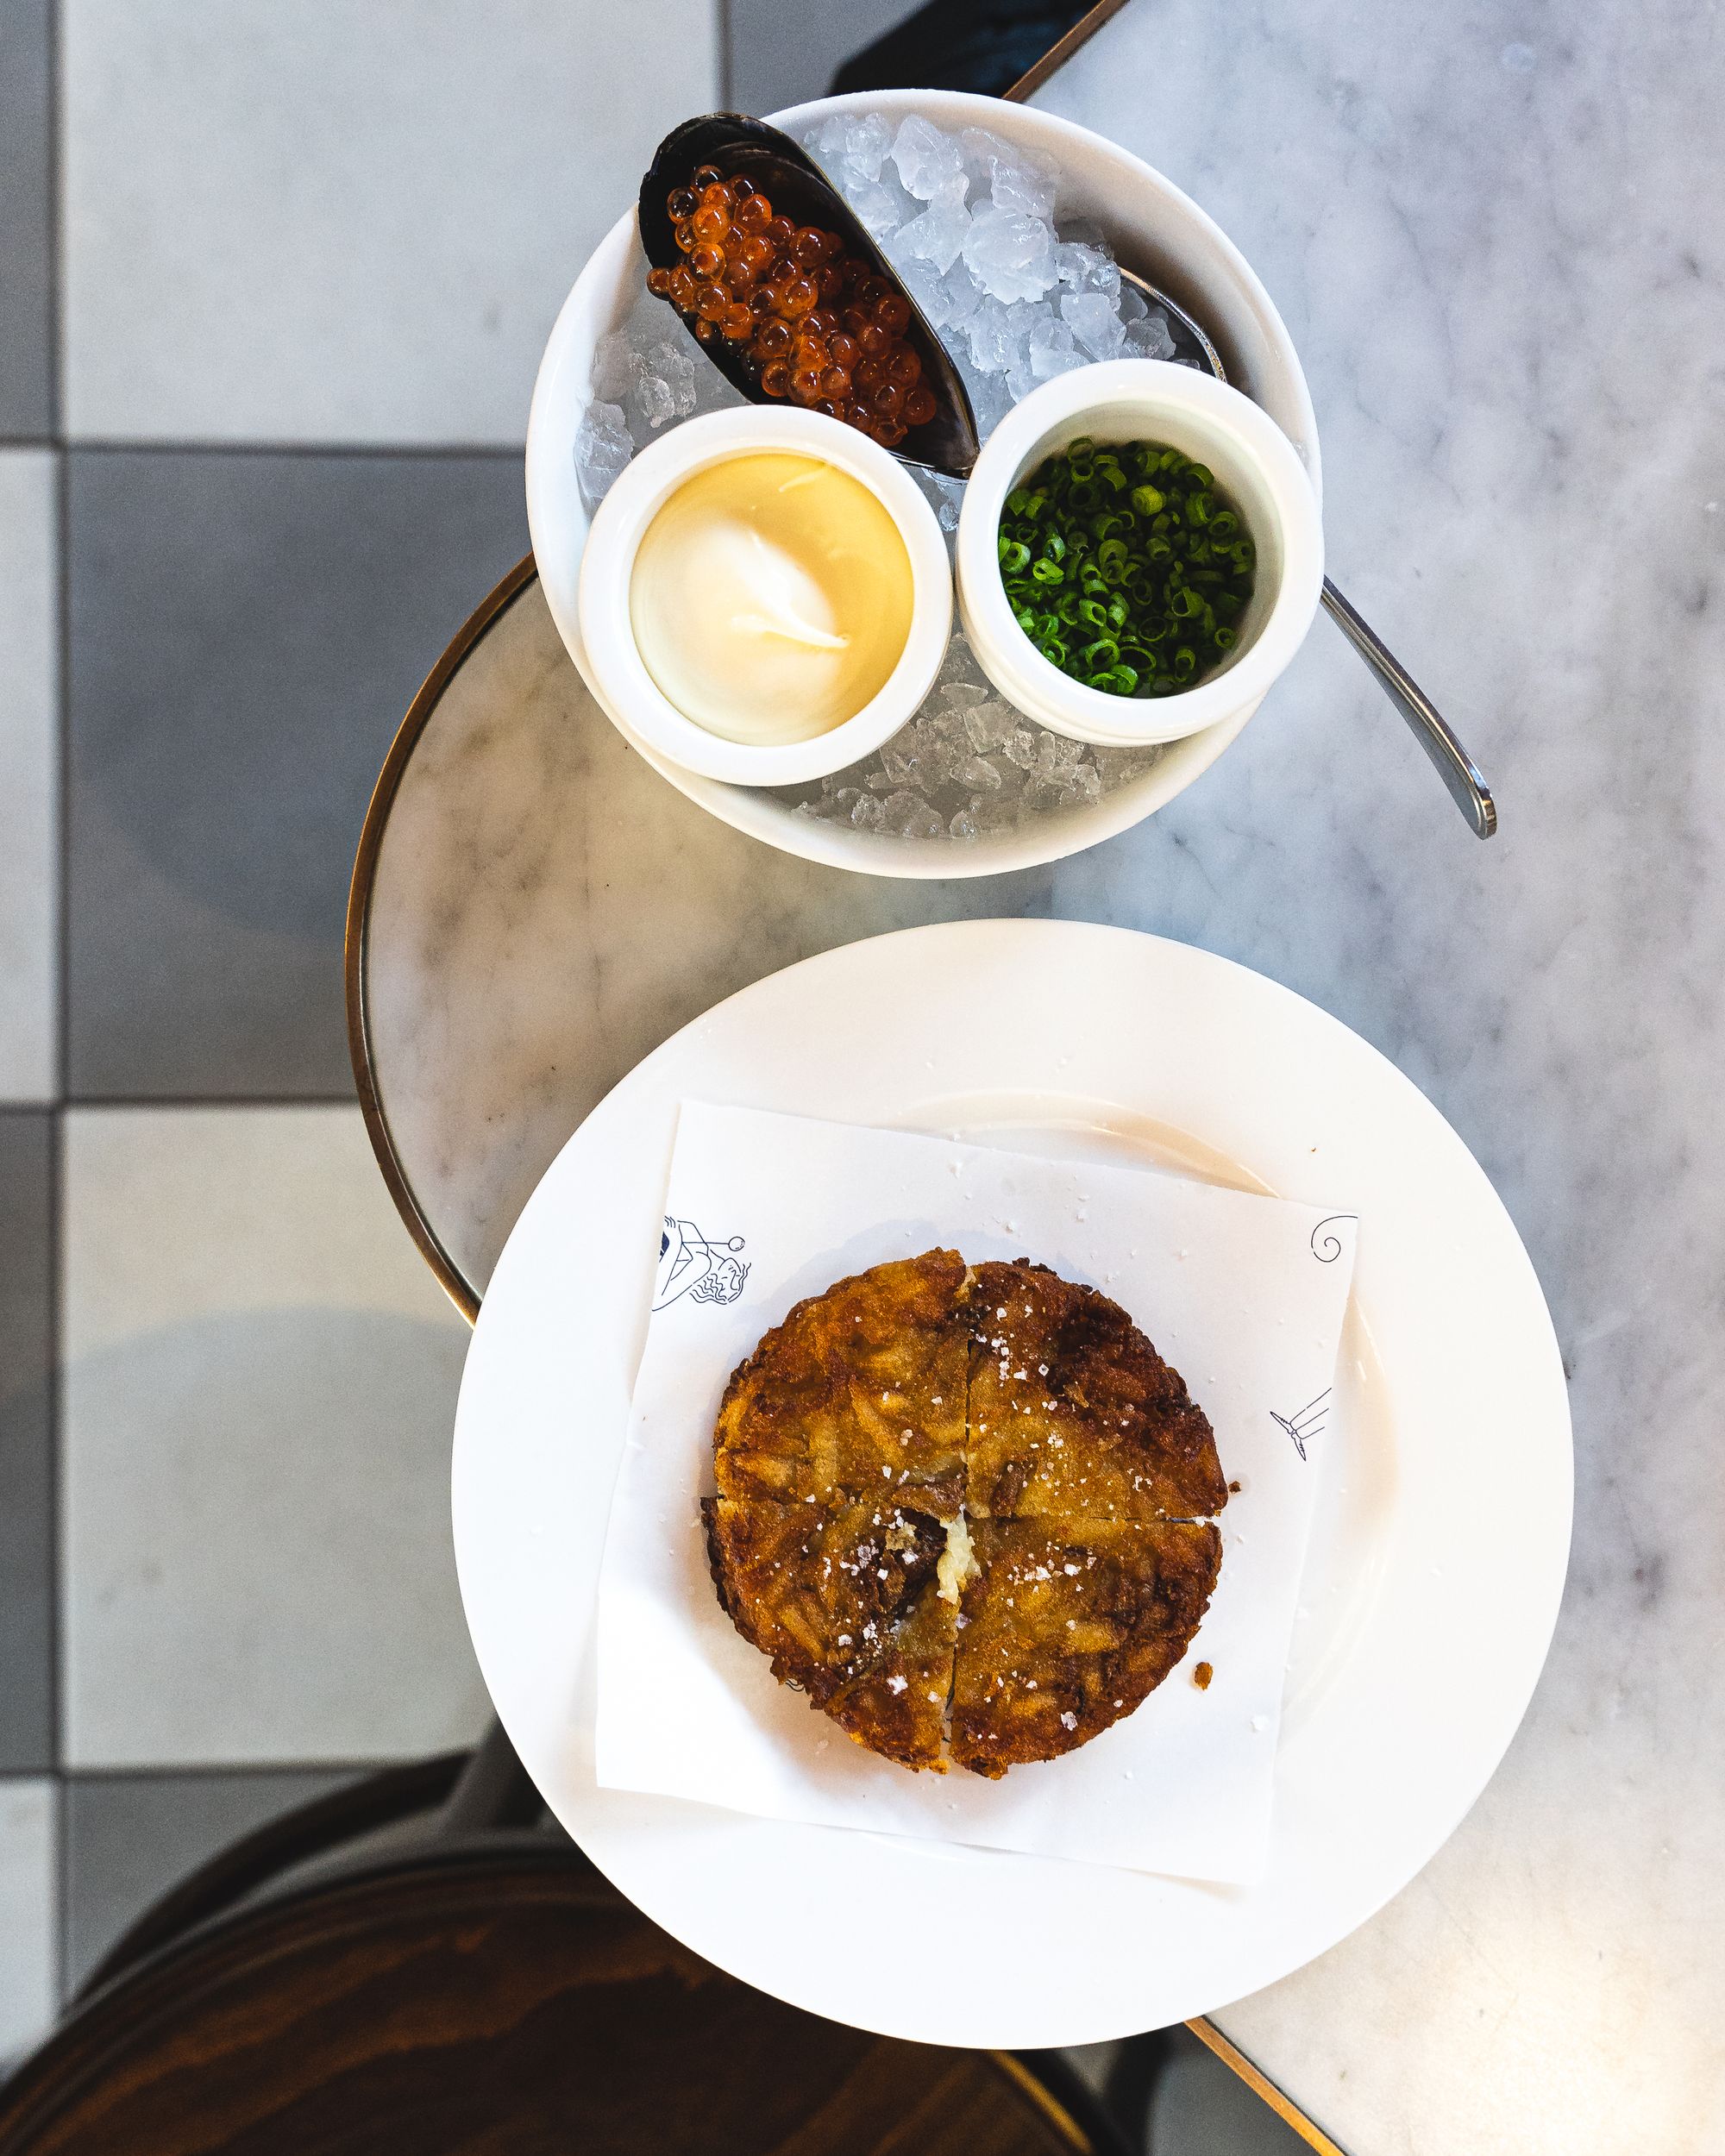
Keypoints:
pixel 1497 235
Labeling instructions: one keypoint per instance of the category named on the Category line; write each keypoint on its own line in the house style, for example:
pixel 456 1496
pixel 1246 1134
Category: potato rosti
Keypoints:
pixel 1069 1625
pixel 860 1390
pixel 963 1510
pixel 845 1600
pixel 1073 1413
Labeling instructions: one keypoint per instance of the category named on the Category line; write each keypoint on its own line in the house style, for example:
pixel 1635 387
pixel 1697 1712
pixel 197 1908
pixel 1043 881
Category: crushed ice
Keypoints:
pixel 966 766
pixel 967 221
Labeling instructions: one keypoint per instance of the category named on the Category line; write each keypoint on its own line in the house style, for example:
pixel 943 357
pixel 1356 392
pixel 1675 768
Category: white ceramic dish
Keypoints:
pixel 1146 400
pixel 622 682
pixel 1155 229
pixel 1442 1526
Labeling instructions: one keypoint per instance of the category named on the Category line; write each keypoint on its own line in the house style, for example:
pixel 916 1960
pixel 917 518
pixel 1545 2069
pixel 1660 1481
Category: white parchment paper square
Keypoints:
pixel 1244 1295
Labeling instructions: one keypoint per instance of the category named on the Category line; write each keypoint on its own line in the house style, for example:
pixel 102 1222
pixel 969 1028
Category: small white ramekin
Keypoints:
pixel 608 563
pixel 1146 400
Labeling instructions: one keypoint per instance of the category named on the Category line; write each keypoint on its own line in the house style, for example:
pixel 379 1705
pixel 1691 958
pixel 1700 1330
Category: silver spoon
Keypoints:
pixel 1455 767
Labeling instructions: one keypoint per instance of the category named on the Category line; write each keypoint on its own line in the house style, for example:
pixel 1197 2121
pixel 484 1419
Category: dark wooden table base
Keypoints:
pixel 503 2003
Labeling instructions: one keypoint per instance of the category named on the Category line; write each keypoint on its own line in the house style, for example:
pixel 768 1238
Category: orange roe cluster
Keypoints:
pixel 819 326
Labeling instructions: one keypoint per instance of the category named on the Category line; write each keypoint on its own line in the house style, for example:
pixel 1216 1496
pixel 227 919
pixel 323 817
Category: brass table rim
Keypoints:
pixel 356 944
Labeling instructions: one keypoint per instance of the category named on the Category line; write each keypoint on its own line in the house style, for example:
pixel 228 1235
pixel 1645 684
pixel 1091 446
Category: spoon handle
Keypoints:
pixel 1457 770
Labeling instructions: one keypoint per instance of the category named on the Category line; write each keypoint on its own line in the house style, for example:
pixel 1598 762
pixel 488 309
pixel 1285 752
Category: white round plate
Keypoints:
pixel 1442 1528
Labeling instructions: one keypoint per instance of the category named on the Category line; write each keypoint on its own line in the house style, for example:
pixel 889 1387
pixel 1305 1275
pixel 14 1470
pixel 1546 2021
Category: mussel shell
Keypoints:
pixel 793 183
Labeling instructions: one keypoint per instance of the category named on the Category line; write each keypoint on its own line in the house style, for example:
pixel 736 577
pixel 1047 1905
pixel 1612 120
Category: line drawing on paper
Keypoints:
pixel 1330 1248
pixel 691 1264
pixel 1307 1423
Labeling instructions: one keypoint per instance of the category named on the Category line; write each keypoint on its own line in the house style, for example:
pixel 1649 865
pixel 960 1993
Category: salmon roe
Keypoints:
pixel 819 326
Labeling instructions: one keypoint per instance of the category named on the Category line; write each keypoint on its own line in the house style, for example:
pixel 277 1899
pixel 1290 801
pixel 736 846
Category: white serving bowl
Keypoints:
pixel 619 676
pixel 1156 230
pixel 1146 400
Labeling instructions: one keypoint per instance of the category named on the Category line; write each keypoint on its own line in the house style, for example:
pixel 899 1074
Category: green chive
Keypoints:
pixel 1125 567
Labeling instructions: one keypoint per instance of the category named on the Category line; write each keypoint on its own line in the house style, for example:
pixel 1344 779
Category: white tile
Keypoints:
pixel 345 222
pixel 29 1899
pixel 29 733
pixel 259 1394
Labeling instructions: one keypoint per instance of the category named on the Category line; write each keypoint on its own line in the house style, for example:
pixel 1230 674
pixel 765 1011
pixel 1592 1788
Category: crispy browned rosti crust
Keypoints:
pixel 842 1599
pixel 1068 1626
pixel 861 1390
pixel 1073 1413
pixel 820 1591
pixel 898 1707
pixel 843 1451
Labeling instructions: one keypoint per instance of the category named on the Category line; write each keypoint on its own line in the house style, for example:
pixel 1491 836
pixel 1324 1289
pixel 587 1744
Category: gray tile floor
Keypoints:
pixel 244 630
pixel 125 1834
pixel 26 230
pixel 273 283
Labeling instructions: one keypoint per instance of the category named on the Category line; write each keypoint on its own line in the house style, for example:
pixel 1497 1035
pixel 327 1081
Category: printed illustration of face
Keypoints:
pixel 724 1283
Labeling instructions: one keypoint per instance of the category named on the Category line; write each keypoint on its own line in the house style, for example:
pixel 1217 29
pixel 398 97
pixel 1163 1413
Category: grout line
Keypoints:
pixel 105 445
pixel 61 975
